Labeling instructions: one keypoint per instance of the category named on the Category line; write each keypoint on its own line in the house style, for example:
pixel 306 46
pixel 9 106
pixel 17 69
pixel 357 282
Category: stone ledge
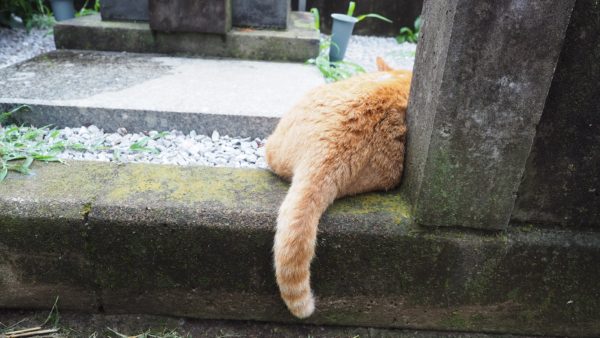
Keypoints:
pixel 196 242
pixel 298 43
pixel 149 92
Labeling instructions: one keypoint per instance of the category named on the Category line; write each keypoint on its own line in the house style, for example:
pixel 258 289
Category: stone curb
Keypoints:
pixel 196 242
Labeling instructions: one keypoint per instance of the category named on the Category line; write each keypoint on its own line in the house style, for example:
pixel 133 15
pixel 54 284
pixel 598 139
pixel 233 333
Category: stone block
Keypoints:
pixel 119 10
pixel 261 13
pixel 200 16
pixel 298 43
pixel 561 184
pixel 481 79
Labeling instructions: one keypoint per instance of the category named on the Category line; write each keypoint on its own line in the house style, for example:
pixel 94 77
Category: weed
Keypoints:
pixel 315 13
pixel 141 144
pixel 20 146
pixel 350 12
pixel 149 334
pixel 32 13
pixel 87 11
pixel 410 35
pixel 333 71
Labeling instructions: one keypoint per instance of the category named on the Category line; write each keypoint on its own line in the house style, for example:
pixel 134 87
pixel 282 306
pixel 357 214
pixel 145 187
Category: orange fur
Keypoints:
pixel 341 139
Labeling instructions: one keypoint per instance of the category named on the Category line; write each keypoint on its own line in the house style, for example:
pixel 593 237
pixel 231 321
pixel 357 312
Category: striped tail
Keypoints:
pixel 296 237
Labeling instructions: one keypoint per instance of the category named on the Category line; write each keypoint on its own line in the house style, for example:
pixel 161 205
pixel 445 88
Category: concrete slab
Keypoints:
pixel 146 92
pixel 298 43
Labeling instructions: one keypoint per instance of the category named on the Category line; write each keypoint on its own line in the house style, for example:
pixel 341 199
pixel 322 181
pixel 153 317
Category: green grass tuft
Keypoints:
pixel 333 71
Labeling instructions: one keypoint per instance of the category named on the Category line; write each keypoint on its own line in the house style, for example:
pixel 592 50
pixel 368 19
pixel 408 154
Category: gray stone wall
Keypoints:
pixel 561 184
pixel 119 10
pixel 245 13
pixel 261 13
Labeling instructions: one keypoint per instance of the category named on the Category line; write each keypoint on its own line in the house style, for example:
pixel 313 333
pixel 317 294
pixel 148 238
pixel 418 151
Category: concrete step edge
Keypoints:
pixel 196 242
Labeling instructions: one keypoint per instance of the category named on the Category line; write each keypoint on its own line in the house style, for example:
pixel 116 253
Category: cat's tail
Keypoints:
pixel 296 236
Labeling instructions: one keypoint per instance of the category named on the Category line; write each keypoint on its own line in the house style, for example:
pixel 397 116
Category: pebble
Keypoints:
pixel 17 45
pixel 173 147
pixel 364 50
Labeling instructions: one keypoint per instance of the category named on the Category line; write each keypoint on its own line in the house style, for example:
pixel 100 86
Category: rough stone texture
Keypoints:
pixel 561 184
pixel 147 92
pixel 200 16
pixel 261 13
pixel 402 12
pixel 130 10
pixel 42 239
pixel 245 13
pixel 298 43
pixel 196 242
pixel 472 117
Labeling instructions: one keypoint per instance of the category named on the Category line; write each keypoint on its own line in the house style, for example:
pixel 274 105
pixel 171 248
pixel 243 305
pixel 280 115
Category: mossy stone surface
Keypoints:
pixel 196 242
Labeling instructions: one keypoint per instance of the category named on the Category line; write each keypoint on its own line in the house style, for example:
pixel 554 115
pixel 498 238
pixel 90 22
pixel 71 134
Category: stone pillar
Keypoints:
pixel 481 78
pixel 561 185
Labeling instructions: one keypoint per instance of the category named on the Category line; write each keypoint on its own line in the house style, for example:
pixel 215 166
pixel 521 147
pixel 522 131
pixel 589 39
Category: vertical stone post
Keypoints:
pixel 481 78
pixel 561 184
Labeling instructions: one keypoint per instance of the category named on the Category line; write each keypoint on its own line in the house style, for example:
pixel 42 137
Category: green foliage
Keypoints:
pixel 141 145
pixel 87 11
pixel 315 13
pixel 333 71
pixel 21 146
pixel 33 13
pixel 352 6
pixel 410 35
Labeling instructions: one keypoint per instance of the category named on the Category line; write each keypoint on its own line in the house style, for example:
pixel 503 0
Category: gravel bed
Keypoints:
pixel 17 45
pixel 164 148
pixel 92 144
pixel 363 50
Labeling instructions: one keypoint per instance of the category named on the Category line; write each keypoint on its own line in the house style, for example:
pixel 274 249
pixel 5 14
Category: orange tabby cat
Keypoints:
pixel 342 139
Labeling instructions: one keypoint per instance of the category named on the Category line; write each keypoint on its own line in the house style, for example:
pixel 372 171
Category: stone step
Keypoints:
pixel 196 242
pixel 298 43
pixel 151 92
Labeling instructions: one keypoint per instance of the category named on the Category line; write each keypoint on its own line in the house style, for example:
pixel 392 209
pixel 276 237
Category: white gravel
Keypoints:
pixel 363 50
pixel 174 147
pixel 164 148
pixel 17 45
pixel 92 144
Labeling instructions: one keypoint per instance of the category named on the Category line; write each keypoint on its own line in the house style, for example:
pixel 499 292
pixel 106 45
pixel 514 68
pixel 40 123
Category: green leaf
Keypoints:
pixel 46 158
pixel 78 147
pixel 27 162
pixel 3 173
pixel 418 23
pixel 372 15
pixel 406 30
pixel 315 13
pixel 351 7
pixel 160 135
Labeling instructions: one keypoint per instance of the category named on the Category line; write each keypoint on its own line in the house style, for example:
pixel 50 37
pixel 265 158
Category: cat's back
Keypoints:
pixel 358 101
